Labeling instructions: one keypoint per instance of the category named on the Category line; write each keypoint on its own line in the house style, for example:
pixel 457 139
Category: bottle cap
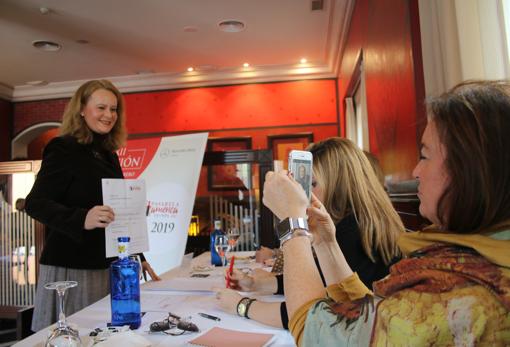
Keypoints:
pixel 122 247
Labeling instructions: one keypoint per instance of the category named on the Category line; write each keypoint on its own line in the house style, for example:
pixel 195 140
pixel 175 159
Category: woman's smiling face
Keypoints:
pixel 100 111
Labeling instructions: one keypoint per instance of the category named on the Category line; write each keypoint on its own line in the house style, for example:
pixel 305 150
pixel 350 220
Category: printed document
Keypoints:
pixel 128 199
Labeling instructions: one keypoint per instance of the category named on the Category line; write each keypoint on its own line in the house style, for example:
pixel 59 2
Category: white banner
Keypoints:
pixel 170 167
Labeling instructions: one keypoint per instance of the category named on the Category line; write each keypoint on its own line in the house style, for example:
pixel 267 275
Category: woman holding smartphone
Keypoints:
pixel 344 185
pixel 453 287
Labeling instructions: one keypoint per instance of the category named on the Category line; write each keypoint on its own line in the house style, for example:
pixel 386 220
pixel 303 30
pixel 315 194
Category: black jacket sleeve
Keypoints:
pixel 44 202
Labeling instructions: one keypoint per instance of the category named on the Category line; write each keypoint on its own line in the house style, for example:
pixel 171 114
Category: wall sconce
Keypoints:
pixel 194 226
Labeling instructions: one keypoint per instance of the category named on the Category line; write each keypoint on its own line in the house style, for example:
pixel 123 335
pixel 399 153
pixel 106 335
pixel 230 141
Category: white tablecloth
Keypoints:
pixel 182 303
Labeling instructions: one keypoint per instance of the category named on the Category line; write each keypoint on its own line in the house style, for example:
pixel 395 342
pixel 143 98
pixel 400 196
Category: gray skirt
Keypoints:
pixel 92 286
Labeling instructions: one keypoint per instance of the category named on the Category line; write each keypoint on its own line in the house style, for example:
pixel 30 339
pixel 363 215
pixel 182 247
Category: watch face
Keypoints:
pixel 241 309
pixel 283 229
pixel 282 234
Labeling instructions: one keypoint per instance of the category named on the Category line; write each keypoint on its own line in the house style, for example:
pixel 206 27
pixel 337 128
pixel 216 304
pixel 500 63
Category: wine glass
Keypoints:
pixel 222 246
pixel 63 334
pixel 233 235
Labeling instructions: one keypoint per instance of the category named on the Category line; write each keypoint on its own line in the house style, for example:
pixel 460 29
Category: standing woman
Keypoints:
pixel 67 198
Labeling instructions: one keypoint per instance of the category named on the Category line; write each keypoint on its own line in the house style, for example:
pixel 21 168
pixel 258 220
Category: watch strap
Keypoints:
pixel 278 263
pixel 248 307
pixel 292 227
pixel 287 226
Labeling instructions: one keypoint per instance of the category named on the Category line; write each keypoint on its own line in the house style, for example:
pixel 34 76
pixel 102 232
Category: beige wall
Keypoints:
pixel 461 40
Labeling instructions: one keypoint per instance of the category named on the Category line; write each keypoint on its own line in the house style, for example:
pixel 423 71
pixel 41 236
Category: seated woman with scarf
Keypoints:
pixel 453 287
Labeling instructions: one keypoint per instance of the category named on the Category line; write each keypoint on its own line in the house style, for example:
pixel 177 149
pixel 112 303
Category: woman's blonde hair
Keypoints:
pixel 351 186
pixel 74 124
pixel 374 162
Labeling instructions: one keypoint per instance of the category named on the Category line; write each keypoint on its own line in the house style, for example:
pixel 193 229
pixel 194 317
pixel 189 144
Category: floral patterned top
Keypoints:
pixel 451 290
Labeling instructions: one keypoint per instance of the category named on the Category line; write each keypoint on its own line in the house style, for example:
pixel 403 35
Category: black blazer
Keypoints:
pixel 66 187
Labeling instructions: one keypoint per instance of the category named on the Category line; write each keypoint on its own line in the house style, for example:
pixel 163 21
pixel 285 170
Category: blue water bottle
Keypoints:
pixel 125 288
pixel 215 257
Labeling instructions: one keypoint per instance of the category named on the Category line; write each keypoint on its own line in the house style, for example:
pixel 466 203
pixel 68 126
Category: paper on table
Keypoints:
pixel 155 302
pixel 186 262
pixel 219 337
pixel 187 284
pixel 128 199
pixel 126 339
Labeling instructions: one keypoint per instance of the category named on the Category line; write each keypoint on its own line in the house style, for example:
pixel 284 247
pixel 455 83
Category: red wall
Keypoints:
pixel 255 110
pixel 30 113
pixel 5 130
pixel 233 107
pixel 387 31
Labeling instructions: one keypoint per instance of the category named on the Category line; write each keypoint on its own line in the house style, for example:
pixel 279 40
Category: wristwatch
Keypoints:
pixel 243 306
pixel 291 227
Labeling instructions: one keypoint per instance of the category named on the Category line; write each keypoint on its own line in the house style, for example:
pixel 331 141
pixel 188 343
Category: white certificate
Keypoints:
pixel 128 199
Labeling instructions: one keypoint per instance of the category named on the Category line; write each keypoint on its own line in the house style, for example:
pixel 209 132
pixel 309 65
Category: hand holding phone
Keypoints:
pixel 300 165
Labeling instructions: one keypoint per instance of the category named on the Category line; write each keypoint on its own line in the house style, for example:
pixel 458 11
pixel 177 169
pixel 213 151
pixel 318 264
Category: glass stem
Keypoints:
pixel 61 315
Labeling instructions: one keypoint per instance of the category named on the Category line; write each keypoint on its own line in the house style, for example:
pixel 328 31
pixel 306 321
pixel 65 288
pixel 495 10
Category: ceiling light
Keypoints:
pixel 303 61
pixel 190 69
pixel 37 83
pixel 48 46
pixel 246 65
pixel 231 26
pixel 44 10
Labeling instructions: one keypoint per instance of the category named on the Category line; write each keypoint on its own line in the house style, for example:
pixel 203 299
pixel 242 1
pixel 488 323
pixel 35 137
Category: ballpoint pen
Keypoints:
pixel 208 316
pixel 230 270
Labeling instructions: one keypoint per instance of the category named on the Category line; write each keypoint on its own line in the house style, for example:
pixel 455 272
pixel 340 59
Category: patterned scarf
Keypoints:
pixel 440 268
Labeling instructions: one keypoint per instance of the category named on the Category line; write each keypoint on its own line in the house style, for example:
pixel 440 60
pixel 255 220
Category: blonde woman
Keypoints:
pixel 67 198
pixel 345 185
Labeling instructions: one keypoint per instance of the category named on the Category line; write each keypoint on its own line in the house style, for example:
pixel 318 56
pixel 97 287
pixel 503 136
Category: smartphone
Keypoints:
pixel 300 165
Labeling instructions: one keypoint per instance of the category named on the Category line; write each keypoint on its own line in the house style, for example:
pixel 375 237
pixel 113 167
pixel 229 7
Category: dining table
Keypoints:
pixel 186 291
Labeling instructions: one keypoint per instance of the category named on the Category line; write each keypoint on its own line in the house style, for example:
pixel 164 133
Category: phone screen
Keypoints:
pixel 302 171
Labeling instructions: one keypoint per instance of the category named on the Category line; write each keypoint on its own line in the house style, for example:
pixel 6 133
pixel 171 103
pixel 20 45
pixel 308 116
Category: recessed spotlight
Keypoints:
pixel 303 61
pixel 48 46
pixel 37 83
pixel 44 10
pixel 190 69
pixel 231 26
pixel 246 65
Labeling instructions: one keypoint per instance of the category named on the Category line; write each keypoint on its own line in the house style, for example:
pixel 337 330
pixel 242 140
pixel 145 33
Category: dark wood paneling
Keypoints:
pixel 408 208
pixel 404 197
pixel 6 111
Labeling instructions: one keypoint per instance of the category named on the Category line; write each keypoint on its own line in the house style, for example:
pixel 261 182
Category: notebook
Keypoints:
pixel 219 337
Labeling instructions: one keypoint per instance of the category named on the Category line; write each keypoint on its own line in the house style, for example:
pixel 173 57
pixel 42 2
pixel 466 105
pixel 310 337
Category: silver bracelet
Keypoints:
pixel 296 233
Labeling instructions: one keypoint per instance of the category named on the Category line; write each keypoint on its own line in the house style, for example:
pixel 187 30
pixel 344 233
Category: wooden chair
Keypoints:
pixel 23 317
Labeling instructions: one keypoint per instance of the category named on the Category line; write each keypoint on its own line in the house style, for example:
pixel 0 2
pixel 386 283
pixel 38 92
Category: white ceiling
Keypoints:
pixel 131 36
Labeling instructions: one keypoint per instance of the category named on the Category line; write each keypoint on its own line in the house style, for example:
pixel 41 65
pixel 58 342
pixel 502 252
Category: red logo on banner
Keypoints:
pixel 136 156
